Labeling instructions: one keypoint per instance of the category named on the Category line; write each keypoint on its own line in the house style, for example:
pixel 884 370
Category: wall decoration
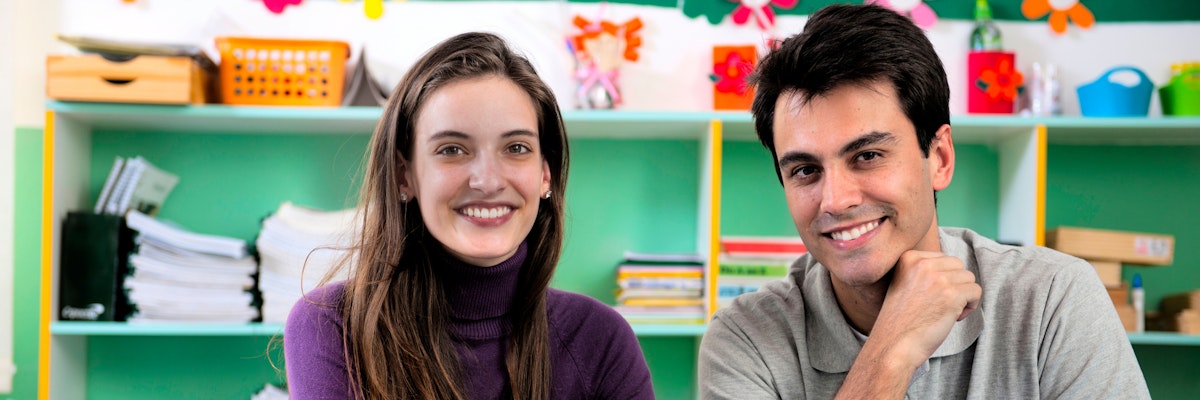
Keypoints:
pixel 277 6
pixel 993 82
pixel 731 66
pixel 917 10
pixel 599 48
pixel 1060 12
pixel 760 11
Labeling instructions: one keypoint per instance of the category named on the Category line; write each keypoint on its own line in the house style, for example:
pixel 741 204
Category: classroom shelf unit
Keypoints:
pixel 70 175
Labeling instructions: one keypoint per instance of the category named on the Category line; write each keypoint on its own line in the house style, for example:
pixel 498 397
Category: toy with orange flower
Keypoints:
pixel 600 47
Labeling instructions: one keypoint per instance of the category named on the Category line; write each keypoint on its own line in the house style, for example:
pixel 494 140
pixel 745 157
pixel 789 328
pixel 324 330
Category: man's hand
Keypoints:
pixel 930 291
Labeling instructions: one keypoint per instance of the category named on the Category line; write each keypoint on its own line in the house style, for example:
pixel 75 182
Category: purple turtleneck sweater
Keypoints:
pixel 593 352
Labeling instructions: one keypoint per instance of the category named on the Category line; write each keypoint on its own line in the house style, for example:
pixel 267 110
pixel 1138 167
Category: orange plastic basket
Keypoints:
pixel 282 72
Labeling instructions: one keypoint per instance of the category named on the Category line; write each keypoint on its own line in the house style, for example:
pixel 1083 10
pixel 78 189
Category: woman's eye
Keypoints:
pixel 518 148
pixel 451 151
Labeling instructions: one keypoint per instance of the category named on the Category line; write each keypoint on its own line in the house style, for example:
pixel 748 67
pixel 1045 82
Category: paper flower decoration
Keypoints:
pixel 920 13
pixel 603 39
pixel 760 10
pixel 599 49
pixel 730 75
pixel 1060 12
pixel 277 6
pixel 1000 82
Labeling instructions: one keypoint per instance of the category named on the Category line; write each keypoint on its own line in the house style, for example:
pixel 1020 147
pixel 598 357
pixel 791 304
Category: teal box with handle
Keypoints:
pixel 1122 91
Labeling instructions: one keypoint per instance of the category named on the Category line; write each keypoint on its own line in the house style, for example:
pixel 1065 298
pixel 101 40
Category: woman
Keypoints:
pixel 462 215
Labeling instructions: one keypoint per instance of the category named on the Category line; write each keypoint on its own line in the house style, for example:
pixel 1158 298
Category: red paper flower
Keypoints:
pixel 1060 12
pixel 761 10
pixel 730 75
pixel 1001 82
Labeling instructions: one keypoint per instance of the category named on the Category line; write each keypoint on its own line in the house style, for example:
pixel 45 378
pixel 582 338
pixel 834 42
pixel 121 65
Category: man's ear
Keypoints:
pixel 941 159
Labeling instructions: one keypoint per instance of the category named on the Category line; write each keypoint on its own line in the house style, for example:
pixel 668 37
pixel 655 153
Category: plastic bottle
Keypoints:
pixel 985 36
pixel 1138 296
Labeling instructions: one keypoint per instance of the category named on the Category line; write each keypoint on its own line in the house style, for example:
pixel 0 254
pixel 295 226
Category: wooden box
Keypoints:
pixel 1110 245
pixel 1109 272
pixel 140 79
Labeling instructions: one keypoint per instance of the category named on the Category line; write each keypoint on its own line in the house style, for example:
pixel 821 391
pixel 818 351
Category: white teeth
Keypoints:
pixel 854 233
pixel 494 212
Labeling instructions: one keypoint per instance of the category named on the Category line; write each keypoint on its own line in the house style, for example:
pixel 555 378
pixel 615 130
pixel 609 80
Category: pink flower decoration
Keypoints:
pixel 761 10
pixel 277 6
pixel 917 10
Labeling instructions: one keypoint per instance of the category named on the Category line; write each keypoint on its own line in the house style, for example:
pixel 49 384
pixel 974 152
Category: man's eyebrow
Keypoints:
pixel 797 157
pixel 872 138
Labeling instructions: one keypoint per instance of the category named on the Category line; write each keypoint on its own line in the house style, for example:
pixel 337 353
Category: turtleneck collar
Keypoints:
pixel 480 296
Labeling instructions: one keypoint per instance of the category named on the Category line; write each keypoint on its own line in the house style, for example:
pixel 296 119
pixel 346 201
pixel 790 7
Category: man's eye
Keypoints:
pixel 869 155
pixel 803 171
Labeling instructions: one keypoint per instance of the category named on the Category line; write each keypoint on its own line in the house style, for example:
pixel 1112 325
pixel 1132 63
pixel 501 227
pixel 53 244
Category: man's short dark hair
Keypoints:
pixel 855 45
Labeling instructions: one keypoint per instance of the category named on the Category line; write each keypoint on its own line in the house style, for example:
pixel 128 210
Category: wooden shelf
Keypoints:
pixel 85 328
pixel 1164 339
pixel 216 118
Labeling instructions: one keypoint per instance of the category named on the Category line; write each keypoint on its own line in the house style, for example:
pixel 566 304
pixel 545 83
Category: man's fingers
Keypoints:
pixel 975 292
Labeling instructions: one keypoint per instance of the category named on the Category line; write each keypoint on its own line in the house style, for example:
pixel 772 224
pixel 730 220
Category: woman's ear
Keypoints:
pixel 545 177
pixel 404 177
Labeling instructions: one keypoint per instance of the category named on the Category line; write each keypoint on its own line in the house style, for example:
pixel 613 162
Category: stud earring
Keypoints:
pixel 547 195
pixel 403 196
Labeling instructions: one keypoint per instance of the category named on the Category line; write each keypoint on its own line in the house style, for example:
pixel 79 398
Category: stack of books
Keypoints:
pixel 747 263
pixel 298 247
pixel 134 184
pixel 661 289
pixel 181 276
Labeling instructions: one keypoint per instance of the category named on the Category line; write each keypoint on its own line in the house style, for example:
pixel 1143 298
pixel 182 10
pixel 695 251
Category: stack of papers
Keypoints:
pixel 298 247
pixel 181 276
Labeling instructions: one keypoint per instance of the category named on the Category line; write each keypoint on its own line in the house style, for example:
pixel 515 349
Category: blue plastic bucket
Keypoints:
pixel 1109 97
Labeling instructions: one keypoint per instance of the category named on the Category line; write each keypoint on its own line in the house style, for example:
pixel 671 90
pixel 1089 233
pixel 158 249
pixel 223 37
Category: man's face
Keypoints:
pixel 858 187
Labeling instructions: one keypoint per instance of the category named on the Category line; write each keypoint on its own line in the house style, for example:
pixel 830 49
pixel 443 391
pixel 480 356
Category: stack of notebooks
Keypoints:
pixel 298 246
pixel 134 184
pixel 180 276
pixel 661 289
pixel 747 263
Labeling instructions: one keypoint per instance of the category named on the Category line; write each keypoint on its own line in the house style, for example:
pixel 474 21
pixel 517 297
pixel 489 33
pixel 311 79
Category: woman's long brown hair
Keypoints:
pixel 395 309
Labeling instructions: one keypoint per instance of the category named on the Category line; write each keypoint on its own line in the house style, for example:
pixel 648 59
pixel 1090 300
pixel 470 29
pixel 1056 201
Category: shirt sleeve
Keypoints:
pixel 730 366
pixel 312 345
pixel 1085 352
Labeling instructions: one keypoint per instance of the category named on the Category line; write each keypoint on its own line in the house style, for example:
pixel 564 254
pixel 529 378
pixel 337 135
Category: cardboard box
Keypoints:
pixel 1109 272
pixel 1128 317
pixel 1119 295
pixel 1111 245
pixel 140 79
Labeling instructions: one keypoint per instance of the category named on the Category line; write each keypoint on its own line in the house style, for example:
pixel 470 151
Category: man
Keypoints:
pixel 855 112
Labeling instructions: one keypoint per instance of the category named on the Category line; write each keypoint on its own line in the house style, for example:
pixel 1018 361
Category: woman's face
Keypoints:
pixel 477 170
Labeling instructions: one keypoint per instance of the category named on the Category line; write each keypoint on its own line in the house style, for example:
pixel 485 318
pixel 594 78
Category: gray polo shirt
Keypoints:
pixel 1045 328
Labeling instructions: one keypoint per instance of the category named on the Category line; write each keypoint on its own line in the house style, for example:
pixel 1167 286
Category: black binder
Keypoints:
pixel 93 265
